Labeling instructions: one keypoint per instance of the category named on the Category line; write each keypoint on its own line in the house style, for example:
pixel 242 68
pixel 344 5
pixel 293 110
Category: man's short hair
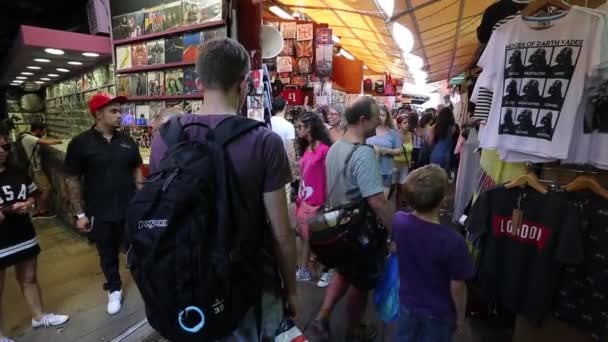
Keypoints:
pixel 425 188
pixel 38 126
pixel 278 105
pixel 222 63
pixel 362 106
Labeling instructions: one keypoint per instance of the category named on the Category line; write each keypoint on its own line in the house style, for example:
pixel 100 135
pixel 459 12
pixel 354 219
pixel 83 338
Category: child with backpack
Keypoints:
pixel 433 260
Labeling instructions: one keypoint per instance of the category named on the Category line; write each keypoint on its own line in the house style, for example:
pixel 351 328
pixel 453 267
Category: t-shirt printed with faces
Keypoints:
pixel 538 77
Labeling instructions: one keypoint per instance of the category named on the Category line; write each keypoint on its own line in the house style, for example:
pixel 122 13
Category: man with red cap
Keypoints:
pixel 103 168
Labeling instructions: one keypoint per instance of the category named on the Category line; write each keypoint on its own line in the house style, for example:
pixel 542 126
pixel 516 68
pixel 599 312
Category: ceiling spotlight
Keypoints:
pixel 54 51
pixel 63 70
pixel 403 37
pixel 413 62
pixel 21 78
pixel 387 6
pixel 53 75
pixel 335 38
pixel 38 82
pixel 44 79
pixel 365 67
pixel 278 11
pixel 74 63
pixel 33 67
pixel 27 73
pixel 42 60
pixel 90 54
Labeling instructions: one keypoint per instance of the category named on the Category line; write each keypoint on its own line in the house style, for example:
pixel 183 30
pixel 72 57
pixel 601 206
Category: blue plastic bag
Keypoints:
pixel 386 295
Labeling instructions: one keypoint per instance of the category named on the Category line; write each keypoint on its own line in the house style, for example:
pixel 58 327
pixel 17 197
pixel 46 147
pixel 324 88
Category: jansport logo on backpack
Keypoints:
pixel 195 261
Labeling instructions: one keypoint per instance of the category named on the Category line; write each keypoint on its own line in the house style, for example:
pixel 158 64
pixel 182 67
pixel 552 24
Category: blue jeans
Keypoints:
pixel 415 329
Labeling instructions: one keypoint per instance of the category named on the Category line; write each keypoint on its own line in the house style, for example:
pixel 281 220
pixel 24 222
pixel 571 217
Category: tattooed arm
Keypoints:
pixel 74 189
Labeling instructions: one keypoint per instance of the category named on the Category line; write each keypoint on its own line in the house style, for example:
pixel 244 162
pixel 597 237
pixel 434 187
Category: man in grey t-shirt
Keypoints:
pixel 362 181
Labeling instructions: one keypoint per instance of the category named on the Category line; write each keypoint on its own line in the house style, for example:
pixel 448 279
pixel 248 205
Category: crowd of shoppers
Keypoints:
pixel 359 154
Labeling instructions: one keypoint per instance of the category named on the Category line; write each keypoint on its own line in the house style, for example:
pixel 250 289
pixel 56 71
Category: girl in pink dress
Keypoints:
pixel 313 143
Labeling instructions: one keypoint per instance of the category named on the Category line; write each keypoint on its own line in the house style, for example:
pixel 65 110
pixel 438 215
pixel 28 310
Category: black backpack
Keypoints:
pixel 196 262
pixel 19 157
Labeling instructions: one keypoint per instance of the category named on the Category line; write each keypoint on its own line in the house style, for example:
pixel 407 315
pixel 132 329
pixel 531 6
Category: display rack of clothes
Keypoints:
pixel 543 251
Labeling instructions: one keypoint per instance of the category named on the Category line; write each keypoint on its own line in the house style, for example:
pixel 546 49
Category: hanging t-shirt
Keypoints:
pixel 520 269
pixel 537 77
pixel 582 298
pixel 313 186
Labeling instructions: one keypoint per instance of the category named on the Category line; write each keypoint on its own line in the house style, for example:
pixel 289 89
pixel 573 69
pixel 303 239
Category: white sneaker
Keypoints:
pixel 114 302
pixel 49 320
pixel 325 279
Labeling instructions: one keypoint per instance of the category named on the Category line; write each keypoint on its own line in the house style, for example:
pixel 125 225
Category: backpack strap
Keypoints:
pixel 172 132
pixel 233 127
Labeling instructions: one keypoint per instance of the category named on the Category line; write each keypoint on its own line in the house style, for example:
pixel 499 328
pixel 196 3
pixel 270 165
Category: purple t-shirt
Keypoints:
pixel 258 157
pixel 430 257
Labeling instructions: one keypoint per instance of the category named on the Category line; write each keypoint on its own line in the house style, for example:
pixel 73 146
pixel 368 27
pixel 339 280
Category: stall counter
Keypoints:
pixel 52 160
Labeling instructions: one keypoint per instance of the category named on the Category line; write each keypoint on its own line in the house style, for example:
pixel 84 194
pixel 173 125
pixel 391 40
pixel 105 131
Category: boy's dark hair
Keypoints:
pixel 363 106
pixel 278 105
pixel 38 126
pixel 425 188
pixel 222 63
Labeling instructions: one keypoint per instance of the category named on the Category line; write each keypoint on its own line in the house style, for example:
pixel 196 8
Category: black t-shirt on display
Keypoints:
pixel 107 168
pixel 492 15
pixel 582 298
pixel 521 272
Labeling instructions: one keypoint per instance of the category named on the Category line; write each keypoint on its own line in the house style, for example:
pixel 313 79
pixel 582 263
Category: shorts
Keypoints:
pixel 272 315
pixel 41 180
pixel 411 328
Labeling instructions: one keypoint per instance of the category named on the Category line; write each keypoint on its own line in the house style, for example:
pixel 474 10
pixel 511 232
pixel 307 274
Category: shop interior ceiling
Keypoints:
pixel 444 32
pixel 66 15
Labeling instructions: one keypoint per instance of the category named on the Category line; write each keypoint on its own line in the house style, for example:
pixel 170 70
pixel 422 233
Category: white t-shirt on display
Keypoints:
pixel 283 128
pixel 538 77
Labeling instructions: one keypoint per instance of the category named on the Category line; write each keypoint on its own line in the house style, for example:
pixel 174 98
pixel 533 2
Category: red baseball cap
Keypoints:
pixel 101 100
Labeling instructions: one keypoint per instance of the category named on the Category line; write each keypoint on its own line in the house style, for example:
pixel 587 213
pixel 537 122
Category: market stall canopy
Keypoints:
pixel 444 32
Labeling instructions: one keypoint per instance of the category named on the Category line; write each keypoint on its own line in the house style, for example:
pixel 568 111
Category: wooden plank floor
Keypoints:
pixel 71 283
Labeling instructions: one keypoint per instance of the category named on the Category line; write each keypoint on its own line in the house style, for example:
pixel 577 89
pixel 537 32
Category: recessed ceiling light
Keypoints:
pixel 53 75
pixel 18 81
pixel 26 73
pixel 54 51
pixel 21 78
pixel 44 79
pixel 365 67
pixel 33 67
pixel 74 63
pixel 42 60
pixel 90 54
pixel 335 38
pixel 38 82
pixel 63 70
pixel 15 84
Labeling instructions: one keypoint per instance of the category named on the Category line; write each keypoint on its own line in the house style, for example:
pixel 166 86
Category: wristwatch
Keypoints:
pixel 80 216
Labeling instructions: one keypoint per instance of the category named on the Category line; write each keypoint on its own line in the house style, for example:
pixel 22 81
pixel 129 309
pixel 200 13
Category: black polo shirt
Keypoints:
pixel 107 168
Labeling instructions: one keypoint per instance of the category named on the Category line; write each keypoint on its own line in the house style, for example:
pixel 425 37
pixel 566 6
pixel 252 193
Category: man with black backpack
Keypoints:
pixel 353 176
pixel 212 250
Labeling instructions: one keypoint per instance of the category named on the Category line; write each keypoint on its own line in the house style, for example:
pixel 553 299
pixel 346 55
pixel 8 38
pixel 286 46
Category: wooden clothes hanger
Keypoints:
pixel 539 5
pixel 587 183
pixel 530 180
